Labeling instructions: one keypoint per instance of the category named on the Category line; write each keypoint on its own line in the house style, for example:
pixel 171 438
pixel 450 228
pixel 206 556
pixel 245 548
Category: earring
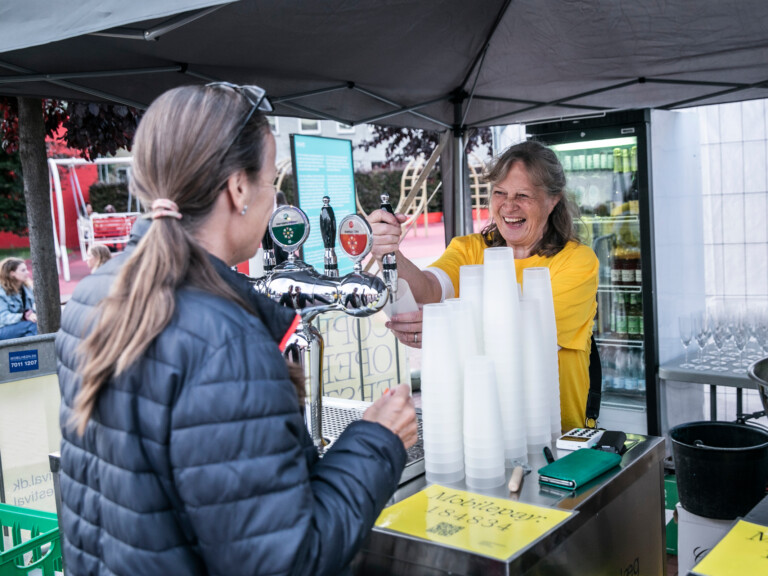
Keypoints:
pixel 244 210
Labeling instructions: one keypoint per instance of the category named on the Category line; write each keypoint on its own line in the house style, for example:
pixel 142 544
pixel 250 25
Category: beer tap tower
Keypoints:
pixel 358 294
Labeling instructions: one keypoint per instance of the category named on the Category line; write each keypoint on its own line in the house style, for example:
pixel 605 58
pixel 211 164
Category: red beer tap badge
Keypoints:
pixel 354 237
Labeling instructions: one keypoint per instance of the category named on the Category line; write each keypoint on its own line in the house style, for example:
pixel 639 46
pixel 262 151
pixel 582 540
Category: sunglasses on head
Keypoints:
pixel 257 97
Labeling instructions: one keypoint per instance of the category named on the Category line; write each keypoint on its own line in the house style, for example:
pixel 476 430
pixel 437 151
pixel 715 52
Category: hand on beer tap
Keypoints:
pixel 396 412
pixel 407 328
pixel 386 239
pixel 386 232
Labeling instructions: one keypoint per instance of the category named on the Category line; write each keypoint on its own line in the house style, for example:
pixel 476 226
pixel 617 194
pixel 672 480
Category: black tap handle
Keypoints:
pixel 266 242
pixel 385 205
pixel 327 224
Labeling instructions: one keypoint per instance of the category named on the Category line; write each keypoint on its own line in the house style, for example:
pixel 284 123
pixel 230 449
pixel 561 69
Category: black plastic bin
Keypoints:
pixel 721 467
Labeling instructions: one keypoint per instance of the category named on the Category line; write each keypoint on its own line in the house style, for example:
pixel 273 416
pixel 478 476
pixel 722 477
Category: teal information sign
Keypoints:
pixel 323 167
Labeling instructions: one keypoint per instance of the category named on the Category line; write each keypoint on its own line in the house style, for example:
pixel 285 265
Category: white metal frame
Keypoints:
pixel 61 237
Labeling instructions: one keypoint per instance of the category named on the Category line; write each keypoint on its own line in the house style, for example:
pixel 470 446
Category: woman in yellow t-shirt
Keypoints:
pixel 530 213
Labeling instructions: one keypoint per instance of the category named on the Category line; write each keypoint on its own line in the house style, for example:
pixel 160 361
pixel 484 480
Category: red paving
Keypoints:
pixel 78 270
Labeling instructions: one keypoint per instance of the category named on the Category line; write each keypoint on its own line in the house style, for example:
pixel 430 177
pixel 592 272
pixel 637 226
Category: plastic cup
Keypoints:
pixel 485 483
pixel 445 478
pixel 443 467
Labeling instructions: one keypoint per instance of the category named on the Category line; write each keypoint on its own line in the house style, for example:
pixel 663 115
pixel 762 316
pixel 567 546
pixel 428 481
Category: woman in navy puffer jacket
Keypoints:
pixel 184 450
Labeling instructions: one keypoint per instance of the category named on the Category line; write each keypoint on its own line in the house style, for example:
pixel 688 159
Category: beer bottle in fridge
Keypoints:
pixel 635 318
pixel 621 316
pixel 617 196
pixel 633 194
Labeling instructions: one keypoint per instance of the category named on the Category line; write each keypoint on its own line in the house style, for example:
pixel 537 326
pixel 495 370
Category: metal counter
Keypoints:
pixel 339 413
pixel 619 527
pixel 672 371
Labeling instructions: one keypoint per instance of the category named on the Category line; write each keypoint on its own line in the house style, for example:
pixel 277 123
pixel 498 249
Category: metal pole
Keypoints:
pixel 62 224
pixel 459 213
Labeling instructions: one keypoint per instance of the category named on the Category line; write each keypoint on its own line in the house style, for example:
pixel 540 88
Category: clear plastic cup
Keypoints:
pixel 443 467
pixel 485 462
pixel 445 478
pixel 484 472
pixel 485 483
pixel 443 457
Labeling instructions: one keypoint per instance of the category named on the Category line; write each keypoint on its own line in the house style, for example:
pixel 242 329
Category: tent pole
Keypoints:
pixel 459 160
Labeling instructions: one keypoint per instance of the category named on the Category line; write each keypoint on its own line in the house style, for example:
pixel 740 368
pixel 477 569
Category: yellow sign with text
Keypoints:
pixel 482 524
pixel 744 550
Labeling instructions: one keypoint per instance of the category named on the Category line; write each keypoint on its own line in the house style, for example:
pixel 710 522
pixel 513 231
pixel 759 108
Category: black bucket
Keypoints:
pixel 721 468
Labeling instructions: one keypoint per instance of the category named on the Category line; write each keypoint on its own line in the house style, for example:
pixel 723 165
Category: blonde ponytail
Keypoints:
pixel 178 156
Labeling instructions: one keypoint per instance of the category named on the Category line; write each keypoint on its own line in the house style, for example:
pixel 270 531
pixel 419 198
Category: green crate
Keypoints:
pixel 35 542
pixel 670 501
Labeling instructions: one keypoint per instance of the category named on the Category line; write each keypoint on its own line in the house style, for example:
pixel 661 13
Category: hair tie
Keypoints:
pixel 165 208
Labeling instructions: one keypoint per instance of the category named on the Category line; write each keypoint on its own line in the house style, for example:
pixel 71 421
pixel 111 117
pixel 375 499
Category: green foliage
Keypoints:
pixel 371 185
pixel 100 129
pixel 13 209
pixel 101 194
pixel 402 144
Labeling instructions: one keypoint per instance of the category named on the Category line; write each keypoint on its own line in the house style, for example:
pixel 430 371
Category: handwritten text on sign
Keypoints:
pixel 23 361
pixel 744 550
pixel 490 526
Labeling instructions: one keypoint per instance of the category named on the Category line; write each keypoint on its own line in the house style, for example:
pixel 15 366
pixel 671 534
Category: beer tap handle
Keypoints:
pixel 356 238
pixel 328 232
pixel 289 229
pixel 389 261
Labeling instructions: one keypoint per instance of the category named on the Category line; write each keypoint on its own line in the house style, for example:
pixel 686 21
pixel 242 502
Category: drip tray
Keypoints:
pixel 339 413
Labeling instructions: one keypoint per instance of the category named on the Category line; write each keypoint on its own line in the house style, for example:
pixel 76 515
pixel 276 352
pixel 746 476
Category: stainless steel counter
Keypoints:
pixel 619 527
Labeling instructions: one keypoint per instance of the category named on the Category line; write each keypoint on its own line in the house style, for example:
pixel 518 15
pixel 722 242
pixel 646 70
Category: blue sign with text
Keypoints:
pixel 323 167
pixel 23 360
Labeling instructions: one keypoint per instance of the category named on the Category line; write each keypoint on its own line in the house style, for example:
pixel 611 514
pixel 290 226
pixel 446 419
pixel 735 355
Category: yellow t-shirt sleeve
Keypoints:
pixel 574 287
pixel 462 251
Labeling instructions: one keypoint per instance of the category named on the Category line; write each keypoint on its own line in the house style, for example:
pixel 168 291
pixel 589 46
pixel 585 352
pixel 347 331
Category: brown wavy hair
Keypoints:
pixel 547 173
pixel 7 267
pixel 101 253
pixel 181 152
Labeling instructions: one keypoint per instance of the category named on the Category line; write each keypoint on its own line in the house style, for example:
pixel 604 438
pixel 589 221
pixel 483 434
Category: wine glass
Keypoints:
pixel 686 333
pixel 720 337
pixel 701 332
pixel 740 335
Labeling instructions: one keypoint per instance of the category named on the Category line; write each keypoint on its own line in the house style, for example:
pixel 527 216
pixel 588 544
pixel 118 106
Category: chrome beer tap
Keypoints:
pixel 328 231
pixel 296 284
pixel 389 261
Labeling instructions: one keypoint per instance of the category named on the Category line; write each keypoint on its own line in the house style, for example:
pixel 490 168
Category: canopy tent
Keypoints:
pixel 434 64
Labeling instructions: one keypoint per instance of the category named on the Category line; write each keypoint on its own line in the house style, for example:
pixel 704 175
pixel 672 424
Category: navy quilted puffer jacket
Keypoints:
pixel 197 459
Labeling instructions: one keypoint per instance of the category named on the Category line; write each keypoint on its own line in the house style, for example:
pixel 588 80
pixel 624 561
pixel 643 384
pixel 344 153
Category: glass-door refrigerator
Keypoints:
pixel 608 168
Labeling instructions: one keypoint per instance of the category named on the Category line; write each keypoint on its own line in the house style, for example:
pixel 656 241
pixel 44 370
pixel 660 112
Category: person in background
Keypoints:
pixel 299 299
pixel 184 448
pixel 286 299
pixel 531 213
pixel 97 255
pixel 17 302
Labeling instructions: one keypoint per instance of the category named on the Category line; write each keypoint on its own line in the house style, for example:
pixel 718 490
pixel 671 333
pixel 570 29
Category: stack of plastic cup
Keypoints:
pixel 502 340
pixel 538 285
pixel 463 328
pixel 471 291
pixel 537 389
pixel 483 431
pixel 442 397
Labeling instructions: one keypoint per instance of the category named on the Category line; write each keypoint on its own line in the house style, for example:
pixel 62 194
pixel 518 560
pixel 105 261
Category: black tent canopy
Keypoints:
pixel 444 65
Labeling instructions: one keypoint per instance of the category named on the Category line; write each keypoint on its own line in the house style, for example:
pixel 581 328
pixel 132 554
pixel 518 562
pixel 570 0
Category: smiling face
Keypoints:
pixel 520 210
